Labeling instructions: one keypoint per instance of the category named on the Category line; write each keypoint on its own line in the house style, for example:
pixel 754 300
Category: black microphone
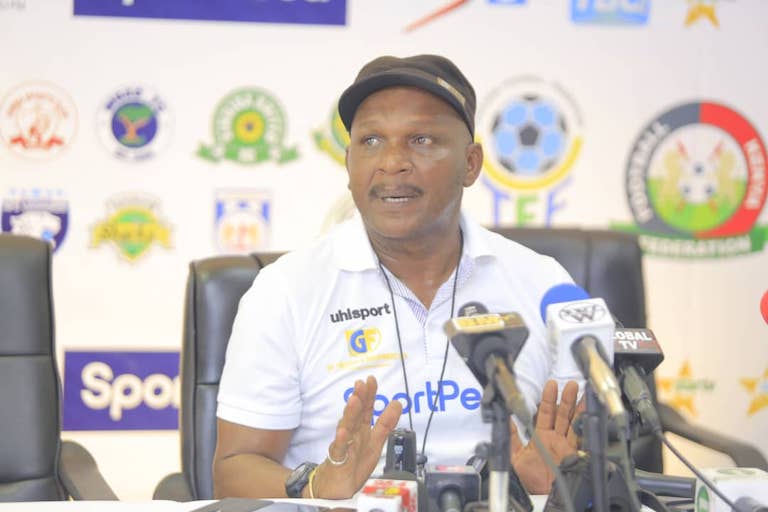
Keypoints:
pixel 636 354
pixel 401 451
pixel 489 343
pixel 452 487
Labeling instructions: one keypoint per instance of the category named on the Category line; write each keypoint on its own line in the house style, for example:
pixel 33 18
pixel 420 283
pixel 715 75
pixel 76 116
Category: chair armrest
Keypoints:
pixel 173 487
pixel 743 454
pixel 80 476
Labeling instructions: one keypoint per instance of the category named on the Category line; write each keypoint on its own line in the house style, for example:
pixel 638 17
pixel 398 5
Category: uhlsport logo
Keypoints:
pixel 363 340
pixel 134 123
pixel 333 140
pixel 448 393
pixel 531 131
pixel 680 391
pixel 242 222
pixel 582 312
pixel 248 128
pixel 611 12
pixel 696 183
pixel 37 120
pixel 757 387
pixel 132 225
pixel 121 390
pixel 39 213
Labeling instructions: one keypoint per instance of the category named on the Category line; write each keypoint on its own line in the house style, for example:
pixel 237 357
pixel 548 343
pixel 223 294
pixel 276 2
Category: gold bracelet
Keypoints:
pixel 309 483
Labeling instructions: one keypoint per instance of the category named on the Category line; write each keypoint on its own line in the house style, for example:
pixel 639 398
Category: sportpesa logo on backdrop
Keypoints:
pixel 134 123
pixel 242 220
pixel 611 12
pixel 308 12
pixel 531 131
pixel 248 128
pixel 37 120
pixel 39 213
pixel 696 183
pixel 121 390
pixel 132 225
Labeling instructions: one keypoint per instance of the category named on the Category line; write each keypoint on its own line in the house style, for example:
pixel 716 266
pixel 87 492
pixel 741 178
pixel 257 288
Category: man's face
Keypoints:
pixel 409 158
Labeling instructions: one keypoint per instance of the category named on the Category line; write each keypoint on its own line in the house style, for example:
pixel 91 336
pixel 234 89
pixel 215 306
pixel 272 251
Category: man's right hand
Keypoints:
pixel 357 447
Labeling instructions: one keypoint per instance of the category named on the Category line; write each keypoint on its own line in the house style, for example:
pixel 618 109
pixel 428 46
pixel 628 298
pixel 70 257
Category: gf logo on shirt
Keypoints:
pixel 362 341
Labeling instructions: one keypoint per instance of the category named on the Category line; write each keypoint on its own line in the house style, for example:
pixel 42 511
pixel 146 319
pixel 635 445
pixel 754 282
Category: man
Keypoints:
pixel 367 304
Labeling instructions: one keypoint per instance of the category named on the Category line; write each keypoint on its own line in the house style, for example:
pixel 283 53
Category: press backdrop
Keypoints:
pixel 138 135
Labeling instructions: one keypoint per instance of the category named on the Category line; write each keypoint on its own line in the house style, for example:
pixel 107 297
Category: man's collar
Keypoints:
pixel 352 250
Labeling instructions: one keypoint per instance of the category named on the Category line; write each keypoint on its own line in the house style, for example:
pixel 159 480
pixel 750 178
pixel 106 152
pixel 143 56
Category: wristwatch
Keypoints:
pixel 298 479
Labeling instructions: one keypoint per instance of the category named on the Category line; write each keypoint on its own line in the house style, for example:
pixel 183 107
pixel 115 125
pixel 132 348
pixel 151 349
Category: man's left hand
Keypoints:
pixel 553 425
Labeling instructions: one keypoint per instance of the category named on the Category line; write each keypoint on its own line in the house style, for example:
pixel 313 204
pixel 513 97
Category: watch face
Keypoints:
pixel 298 479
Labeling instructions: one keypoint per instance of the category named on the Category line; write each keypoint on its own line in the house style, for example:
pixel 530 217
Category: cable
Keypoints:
pixel 695 471
pixel 559 478
pixel 629 475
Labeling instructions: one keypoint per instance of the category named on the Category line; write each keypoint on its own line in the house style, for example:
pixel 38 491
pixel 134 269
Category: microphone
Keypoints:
pixel 748 487
pixel 401 451
pixel 400 484
pixel 489 343
pixel 636 354
pixel 452 487
pixel 584 327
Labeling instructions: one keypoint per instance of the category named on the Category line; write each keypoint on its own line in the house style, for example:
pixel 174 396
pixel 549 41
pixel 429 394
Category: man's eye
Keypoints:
pixel 422 140
pixel 370 141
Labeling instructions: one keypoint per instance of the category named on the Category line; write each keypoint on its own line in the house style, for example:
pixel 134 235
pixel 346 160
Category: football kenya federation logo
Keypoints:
pixel 248 128
pixel 696 183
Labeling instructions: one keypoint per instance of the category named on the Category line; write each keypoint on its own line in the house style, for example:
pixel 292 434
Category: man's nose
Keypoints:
pixel 395 159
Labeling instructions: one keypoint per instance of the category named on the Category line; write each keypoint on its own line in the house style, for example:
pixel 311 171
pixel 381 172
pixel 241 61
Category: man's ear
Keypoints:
pixel 474 163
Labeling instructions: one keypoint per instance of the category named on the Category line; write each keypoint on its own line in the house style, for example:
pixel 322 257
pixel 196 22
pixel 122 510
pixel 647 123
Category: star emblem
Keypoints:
pixel 701 9
pixel 758 389
pixel 683 387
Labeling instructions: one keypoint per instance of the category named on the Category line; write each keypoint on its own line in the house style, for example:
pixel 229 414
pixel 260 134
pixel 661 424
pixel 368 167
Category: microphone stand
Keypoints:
pixel 595 442
pixel 495 410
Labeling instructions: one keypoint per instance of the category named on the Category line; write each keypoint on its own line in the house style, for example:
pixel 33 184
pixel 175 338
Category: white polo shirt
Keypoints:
pixel 317 319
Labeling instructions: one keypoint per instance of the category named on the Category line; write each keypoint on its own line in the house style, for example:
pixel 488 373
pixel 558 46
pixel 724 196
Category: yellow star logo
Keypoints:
pixel 758 388
pixel 701 9
pixel 683 387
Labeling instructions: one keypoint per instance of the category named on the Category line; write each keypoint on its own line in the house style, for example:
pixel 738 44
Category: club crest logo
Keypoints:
pixel 37 120
pixel 134 123
pixel 39 213
pixel 696 183
pixel 133 224
pixel 532 135
pixel 248 128
pixel 333 140
pixel 242 220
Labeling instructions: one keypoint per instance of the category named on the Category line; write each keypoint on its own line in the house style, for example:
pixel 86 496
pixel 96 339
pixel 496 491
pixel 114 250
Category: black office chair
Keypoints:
pixel 607 264
pixel 35 464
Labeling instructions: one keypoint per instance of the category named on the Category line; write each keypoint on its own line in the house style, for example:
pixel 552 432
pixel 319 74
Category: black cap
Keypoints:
pixel 432 73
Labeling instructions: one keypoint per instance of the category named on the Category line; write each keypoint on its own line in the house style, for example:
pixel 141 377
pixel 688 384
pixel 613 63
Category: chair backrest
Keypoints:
pixel 607 264
pixel 30 424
